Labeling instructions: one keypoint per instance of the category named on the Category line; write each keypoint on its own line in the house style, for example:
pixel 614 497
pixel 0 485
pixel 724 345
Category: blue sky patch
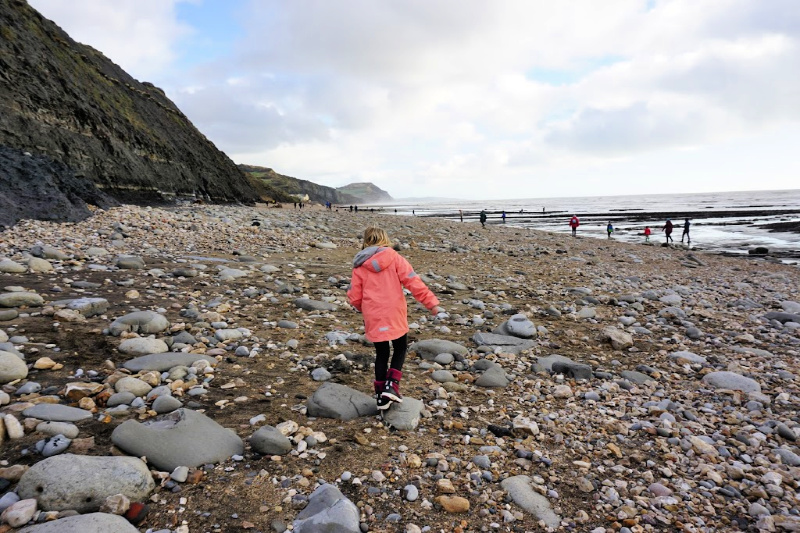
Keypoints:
pixel 215 25
pixel 569 76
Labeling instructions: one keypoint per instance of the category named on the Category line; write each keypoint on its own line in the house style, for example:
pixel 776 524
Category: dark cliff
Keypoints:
pixel 67 102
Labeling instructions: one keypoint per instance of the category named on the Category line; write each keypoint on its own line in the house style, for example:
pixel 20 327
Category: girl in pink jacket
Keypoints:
pixel 376 290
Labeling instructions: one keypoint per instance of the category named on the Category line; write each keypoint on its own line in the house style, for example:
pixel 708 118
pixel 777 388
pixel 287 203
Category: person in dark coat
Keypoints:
pixel 667 229
pixel 686 225
pixel 483 218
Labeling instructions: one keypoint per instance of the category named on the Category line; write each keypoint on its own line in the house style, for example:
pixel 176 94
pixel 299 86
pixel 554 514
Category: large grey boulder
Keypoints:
pixel 333 400
pixel 782 317
pixel 314 305
pixel 11 367
pixel 146 322
pixel 56 412
pixel 18 299
pixel 328 511
pixel 83 483
pixel 86 523
pixel 165 361
pixel 404 416
pixel 180 438
pixel 270 441
pixel 523 494
pixel 731 381
pixel 430 348
pixel 503 343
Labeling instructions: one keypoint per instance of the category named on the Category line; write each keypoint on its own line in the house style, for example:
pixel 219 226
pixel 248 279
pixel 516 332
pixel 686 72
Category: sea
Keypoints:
pixel 732 223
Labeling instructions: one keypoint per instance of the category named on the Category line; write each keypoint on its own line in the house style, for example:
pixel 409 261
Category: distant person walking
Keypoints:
pixel 483 218
pixel 504 217
pixel 686 225
pixel 647 233
pixel 574 223
pixel 667 229
pixel 461 215
pixel 609 229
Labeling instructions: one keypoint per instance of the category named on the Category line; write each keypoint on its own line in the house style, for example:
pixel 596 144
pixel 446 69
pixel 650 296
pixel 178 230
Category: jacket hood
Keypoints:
pixel 374 258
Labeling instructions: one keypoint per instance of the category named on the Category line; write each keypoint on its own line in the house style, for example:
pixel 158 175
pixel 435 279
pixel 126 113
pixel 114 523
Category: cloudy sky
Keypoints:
pixel 473 98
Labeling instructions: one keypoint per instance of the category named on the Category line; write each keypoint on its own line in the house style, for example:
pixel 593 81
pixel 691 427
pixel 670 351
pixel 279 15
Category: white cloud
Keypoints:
pixel 139 35
pixel 443 98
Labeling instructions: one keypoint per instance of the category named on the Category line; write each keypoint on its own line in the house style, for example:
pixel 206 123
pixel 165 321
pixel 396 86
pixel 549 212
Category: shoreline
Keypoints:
pixel 646 442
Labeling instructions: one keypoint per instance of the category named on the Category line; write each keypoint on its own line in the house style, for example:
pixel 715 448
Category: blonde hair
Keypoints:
pixel 374 236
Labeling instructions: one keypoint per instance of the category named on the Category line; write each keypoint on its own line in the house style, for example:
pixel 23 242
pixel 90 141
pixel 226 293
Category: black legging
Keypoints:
pixel 382 356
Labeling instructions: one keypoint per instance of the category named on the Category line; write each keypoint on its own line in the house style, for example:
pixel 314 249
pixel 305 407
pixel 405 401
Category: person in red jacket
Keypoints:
pixel 647 233
pixel 574 223
pixel 376 290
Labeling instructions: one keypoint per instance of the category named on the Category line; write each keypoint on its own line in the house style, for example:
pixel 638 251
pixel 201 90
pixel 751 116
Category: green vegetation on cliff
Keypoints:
pixel 355 193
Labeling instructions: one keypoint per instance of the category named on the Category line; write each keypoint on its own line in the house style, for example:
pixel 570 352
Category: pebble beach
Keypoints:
pixel 198 369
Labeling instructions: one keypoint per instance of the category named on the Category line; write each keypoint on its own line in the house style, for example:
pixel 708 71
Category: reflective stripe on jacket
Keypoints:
pixel 376 289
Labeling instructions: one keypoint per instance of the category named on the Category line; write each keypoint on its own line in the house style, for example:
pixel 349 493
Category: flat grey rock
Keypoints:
pixel 56 412
pixel 688 356
pixel 8 314
pixel 636 377
pixel 731 381
pixel 130 262
pixel 442 376
pixel 146 322
pixel 314 305
pixel 11 367
pixel 18 299
pixel 523 494
pixel 83 482
pixel 558 364
pixel 11 267
pixel 333 400
pixel 506 343
pixel 181 438
pixel 404 416
pixel 328 511
pixel 58 428
pixel 142 346
pixel 791 307
pixel 269 441
pixel 88 307
pixel 545 364
pixel 428 349
pixel 494 377
pixel 165 361
pixel 87 523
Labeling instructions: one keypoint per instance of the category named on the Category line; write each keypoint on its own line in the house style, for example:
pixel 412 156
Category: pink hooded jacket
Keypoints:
pixel 376 289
